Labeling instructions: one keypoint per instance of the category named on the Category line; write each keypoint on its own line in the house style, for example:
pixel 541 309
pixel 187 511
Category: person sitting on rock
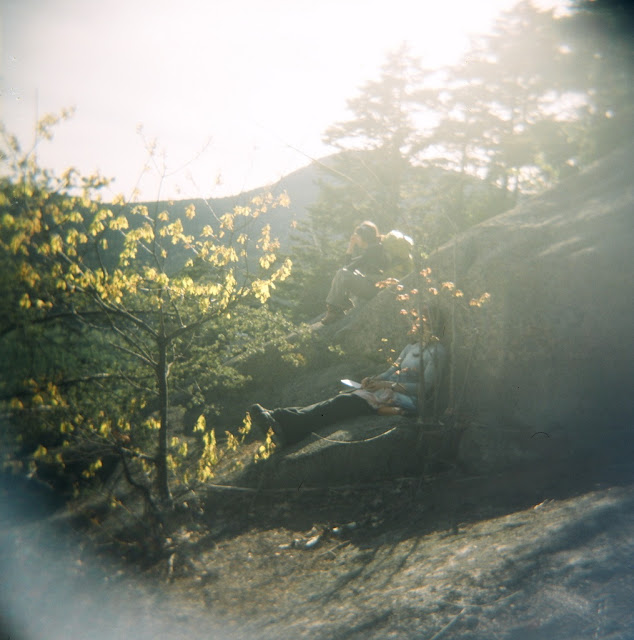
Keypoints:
pixel 393 392
pixel 365 262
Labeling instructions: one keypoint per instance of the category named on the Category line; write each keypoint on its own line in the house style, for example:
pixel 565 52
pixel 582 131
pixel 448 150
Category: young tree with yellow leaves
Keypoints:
pixel 133 274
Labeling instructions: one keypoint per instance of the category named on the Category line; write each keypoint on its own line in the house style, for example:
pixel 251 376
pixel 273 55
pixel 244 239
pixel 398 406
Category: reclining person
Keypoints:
pixel 393 392
pixel 364 268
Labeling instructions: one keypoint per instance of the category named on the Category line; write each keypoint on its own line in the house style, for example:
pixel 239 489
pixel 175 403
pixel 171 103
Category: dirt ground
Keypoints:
pixel 532 553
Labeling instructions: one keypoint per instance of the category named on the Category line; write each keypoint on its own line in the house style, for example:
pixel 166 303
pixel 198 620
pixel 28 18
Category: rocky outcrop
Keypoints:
pixel 360 451
pixel 555 355
pixel 544 369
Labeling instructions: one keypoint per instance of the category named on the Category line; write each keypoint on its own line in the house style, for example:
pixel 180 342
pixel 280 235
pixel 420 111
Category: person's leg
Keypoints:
pixel 298 422
pixel 337 299
pixel 360 286
pixel 345 284
pixel 337 296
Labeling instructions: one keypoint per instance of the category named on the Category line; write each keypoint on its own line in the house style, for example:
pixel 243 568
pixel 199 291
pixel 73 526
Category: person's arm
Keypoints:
pixel 388 373
pixel 356 261
pixel 434 363
pixel 375 383
pixel 410 387
pixel 370 260
pixel 383 380
pixel 354 250
pixel 406 388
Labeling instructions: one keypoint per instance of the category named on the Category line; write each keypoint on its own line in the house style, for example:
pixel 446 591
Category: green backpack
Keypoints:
pixel 398 250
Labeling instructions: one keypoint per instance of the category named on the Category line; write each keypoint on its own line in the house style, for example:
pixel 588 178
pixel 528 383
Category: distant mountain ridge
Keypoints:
pixel 303 188
pixel 300 185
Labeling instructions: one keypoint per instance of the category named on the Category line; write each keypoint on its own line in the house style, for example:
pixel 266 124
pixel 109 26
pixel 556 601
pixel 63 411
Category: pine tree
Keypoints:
pixel 377 147
pixel 502 104
pixel 599 35
pixel 365 180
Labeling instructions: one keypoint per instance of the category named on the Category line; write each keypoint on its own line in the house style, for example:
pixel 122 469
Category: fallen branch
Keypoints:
pixel 381 435
pixel 448 626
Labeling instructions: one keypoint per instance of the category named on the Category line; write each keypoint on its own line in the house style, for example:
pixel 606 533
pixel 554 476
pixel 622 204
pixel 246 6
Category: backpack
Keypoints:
pixel 398 249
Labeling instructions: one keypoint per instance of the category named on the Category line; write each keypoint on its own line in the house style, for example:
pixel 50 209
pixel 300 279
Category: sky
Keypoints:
pixel 232 94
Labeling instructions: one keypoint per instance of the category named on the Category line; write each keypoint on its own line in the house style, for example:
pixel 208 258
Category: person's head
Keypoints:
pixel 368 233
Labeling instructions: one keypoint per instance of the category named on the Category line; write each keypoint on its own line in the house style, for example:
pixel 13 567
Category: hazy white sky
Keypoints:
pixel 251 77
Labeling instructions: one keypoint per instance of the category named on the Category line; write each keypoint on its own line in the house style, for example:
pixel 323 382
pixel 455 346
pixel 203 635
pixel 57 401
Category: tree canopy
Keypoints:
pixel 434 151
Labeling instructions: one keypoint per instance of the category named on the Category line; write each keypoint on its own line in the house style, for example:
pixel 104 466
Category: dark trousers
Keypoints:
pixel 299 422
pixel 348 283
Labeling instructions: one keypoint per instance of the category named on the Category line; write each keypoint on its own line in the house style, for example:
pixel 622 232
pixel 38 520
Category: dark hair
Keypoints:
pixel 368 232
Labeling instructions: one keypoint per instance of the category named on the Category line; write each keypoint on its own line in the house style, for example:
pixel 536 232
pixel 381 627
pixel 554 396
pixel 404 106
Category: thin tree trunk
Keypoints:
pixel 161 462
pixel 422 391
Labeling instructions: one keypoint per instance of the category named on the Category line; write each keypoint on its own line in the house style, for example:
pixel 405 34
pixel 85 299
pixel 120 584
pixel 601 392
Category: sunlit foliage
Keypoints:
pixel 130 290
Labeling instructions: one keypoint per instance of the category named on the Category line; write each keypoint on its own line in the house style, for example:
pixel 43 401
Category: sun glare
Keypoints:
pixel 260 82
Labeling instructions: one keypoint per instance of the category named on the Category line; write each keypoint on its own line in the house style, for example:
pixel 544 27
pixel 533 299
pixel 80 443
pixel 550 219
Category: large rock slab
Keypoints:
pixel 359 451
pixel 554 350
pixel 547 364
pixel 558 342
pixel 543 372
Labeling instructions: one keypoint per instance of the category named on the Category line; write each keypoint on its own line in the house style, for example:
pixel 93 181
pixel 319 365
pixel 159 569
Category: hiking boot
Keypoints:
pixel 262 419
pixel 332 314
